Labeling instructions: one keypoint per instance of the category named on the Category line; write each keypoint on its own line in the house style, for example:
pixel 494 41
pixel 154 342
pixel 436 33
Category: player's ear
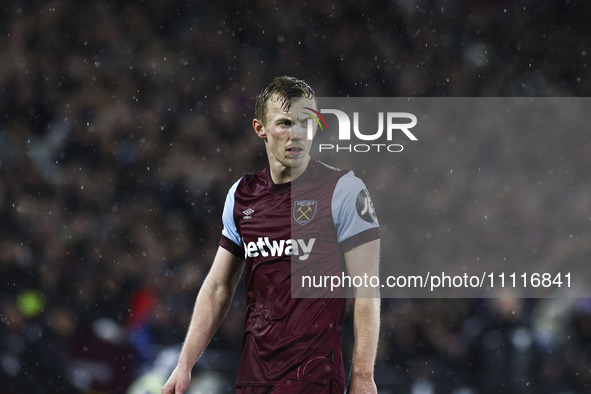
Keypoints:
pixel 259 128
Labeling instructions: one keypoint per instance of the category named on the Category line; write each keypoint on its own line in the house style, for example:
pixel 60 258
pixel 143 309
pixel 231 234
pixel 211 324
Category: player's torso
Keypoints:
pixel 288 230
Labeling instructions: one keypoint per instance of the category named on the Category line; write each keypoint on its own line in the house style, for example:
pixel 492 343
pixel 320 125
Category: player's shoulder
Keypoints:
pixel 250 181
pixel 343 176
pixel 324 170
pixel 258 176
pixel 322 166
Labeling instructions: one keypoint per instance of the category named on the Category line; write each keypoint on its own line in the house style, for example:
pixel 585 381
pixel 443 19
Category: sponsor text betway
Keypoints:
pixel 277 248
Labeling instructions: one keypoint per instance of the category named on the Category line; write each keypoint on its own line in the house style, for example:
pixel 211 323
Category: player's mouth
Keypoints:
pixel 295 150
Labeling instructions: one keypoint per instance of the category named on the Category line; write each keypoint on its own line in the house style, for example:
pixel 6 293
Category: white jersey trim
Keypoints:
pixel 230 231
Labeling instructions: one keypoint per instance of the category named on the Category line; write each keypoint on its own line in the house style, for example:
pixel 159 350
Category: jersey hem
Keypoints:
pixel 271 384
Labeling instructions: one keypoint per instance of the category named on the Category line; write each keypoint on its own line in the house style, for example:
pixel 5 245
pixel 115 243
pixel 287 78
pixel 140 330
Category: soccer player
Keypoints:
pixel 290 344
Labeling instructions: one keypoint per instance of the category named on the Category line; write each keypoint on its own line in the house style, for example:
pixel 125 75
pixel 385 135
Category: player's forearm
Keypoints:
pixel 366 322
pixel 364 260
pixel 211 306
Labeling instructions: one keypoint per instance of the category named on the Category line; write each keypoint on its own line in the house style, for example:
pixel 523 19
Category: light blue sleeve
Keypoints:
pixel 352 208
pixel 230 231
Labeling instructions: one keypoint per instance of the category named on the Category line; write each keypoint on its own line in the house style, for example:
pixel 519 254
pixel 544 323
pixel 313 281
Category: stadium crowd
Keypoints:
pixel 123 124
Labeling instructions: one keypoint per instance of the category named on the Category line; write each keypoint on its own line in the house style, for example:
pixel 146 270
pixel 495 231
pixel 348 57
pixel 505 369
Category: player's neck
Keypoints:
pixel 282 174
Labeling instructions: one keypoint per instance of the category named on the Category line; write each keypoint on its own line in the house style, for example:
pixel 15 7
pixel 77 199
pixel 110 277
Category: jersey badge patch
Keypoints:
pixel 304 211
pixel 365 208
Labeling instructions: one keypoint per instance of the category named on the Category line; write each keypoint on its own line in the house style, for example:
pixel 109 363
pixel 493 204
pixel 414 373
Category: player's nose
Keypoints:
pixel 296 133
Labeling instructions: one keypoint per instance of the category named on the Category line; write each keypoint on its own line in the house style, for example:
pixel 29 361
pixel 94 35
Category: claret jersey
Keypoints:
pixel 283 231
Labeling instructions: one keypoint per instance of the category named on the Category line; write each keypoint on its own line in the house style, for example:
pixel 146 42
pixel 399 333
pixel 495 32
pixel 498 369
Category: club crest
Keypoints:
pixel 304 211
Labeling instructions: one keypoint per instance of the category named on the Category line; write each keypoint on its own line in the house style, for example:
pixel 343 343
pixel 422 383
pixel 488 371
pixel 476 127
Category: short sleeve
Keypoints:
pixel 353 213
pixel 231 239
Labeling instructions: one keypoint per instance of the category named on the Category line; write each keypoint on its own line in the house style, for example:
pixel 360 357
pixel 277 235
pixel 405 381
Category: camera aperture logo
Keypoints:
pixel 391 125
pixel 316 116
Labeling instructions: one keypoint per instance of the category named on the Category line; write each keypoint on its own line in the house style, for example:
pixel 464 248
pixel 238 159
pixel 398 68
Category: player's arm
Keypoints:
pixel 362 260
pixel 211 306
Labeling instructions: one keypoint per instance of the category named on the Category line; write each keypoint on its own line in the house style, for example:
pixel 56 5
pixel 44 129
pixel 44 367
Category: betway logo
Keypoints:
pixel 275 248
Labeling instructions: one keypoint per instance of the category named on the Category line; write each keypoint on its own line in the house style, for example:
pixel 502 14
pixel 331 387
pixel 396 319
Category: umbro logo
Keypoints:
pixel 248 213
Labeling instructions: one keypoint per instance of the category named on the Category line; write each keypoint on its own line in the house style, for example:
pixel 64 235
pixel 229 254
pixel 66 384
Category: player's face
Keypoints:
pixel 286 135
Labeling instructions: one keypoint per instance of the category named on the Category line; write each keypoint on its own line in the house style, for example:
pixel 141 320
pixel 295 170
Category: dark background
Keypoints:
pixel 123 124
